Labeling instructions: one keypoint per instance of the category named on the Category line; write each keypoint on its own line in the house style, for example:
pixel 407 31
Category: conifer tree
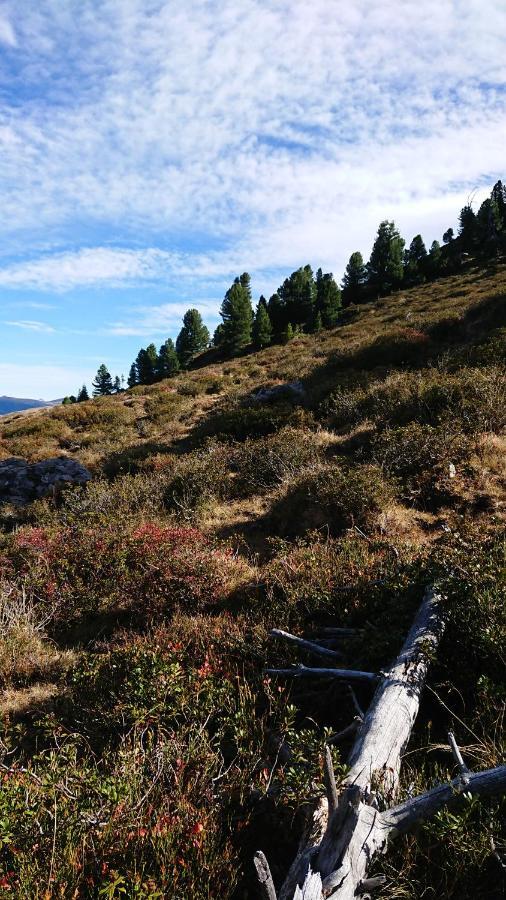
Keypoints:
pixel 192 338
pixel 434 261
pixel 277 314
pixel 168 360
pixel 499 196
pixel 448 236
pixel 415 259
pixel 262 328
pixel 82 394
pixel 328 300
pixel 218 336
pixel 117 384
pixel 237 314
pixel 354 279
pixel 133 377
pixel 385 267
pixel 467 229
pixel 102 385
pixel 288 333
pixel 298 293
pixel 146 365
pixel 489 226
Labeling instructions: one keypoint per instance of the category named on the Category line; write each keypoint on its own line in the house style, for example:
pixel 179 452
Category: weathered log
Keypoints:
pixel 310 646
pixel 342 838
pixel 264 876
pixel 354 832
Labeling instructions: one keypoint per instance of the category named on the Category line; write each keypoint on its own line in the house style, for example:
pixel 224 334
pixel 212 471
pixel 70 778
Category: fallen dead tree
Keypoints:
pixel 348 829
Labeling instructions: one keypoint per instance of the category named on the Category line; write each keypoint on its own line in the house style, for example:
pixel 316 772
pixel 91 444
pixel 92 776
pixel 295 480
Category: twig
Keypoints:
pixel 310 646
pixel 330 781
pixel 457 755
pixel 301 671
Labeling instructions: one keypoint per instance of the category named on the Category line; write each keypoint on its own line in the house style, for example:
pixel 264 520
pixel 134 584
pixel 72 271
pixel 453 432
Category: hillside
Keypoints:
pixel 16 404
pixel 322 483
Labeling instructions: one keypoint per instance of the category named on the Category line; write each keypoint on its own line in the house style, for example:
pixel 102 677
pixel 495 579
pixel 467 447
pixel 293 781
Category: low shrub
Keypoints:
pixel 427 459
pixel 335 497
pixel 143 571
pixel 200 478
pixel 255 420
pixel 269 461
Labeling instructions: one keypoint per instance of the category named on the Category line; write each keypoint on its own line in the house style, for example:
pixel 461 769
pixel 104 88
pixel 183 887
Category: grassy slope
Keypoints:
pixel 135 613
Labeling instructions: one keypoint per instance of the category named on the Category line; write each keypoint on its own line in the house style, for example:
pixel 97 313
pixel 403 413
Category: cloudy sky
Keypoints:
pixel 152 150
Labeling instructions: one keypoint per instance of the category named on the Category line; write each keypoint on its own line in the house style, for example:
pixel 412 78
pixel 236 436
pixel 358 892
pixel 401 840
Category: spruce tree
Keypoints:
pixel 354 279
pixel 489 226
pixel 82 394
pixel 237 314
pixel 262 328
pixel 168 361
pixel 218 336
pixel 328 300
pixel 385 267
pixel 192 338
pixel 102 385
pixel 133 377
pixel 117 384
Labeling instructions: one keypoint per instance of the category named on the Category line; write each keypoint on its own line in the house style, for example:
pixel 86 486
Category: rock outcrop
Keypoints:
pixel 22 482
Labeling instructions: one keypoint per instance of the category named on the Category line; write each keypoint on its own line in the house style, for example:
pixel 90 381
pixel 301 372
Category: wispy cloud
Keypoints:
pixel 162 319
pixel 29 325
pixel 7 35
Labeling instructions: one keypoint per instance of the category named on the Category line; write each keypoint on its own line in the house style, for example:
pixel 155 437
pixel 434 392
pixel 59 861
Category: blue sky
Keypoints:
pixel 152 150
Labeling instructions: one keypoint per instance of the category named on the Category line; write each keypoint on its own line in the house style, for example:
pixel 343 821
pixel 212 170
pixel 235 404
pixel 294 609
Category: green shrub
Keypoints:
pixel 422 456
pixel 336 497
pixel 256 420
pixel 163 406
pixel 200 478
pixel 263 463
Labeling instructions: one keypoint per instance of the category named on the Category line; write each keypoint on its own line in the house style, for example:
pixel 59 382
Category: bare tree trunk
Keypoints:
pixel 346 832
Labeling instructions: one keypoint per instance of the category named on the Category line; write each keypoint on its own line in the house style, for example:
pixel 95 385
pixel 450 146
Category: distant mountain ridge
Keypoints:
pixel 18 404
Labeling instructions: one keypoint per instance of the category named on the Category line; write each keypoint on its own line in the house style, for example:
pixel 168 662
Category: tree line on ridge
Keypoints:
pixel 306 303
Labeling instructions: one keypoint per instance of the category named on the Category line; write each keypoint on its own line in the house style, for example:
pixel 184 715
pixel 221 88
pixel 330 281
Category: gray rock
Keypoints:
pixel 22 482
pixel 292 390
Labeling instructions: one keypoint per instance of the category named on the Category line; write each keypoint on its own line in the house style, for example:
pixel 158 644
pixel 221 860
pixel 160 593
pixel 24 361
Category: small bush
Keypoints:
pixel 422 457
pixel 256 420
pixel 24 651
pixel 200 479
pixel 336 497
pixel 261 464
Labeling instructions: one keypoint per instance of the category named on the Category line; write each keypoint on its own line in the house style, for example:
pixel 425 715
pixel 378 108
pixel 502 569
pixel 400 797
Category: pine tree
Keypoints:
pixel 489 226
pixel 102 385
pixel 467 229
pixel 298 294
pixel 262 328
pixel 82 394
pixel 385 267
pixel 277 314
pixel 288 333
pixel 434 263
pixel 237 314
pixel 328 300
pixel 146 365
pixel 354 279
pixel 117 384
pixel 415 260
pixel 499 196
pixel 133 377
pixel 192 338
pixel 448 236
pixel 168 361
pixel 218 336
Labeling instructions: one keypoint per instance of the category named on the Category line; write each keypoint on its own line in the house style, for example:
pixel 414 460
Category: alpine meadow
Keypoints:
pixel 252 572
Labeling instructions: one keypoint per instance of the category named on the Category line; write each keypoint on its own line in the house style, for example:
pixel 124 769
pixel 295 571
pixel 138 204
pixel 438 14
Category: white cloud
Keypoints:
pixel 30 325
pixel 163 319
pixel 7 35
pixel 279 131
